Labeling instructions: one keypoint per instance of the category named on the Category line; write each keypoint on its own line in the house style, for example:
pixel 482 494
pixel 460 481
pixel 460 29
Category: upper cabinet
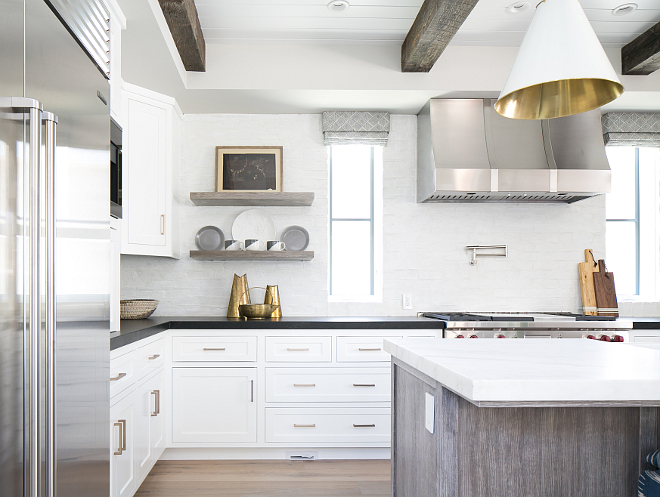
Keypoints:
pixel 151 150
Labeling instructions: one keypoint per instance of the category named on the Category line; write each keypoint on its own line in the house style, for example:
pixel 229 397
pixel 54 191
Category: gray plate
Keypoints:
pixel 296 238
pixel 209 238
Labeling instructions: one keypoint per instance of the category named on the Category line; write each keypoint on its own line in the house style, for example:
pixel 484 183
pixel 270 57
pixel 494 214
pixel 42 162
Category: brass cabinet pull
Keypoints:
pixel 162 224
pixel 304 426
pixel 214 348
pixel 251 390
pixel 298 350
pixel 118 377
pixel 120 424
pixel 156 394
pixel 364 384
pixel 304 384
pixel 367 350
pixel 363 426
pixel 155 356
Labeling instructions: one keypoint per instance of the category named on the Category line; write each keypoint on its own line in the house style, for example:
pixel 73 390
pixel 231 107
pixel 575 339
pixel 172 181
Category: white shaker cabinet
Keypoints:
pixel 214 405
pixel 123 481
pixel 149 426
pixel 151 149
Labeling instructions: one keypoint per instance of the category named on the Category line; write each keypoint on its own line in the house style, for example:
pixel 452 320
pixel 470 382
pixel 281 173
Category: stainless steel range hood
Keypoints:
pixel 467 152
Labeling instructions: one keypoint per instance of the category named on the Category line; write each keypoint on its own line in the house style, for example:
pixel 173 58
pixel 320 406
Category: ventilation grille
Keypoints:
pixel 543 197
pixel 466 197
pixel 89 22
pixel 504 197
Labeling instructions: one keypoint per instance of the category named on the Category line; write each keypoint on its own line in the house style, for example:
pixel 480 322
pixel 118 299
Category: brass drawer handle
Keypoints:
pixel 364 384
pixel 153 357
pixel 214 348
pixel 298 350
pixel 369 350
pixel 304 384
pixel 118 377
pixel 363 426
pixel 121 424
pixel 156 394
pixel 304 426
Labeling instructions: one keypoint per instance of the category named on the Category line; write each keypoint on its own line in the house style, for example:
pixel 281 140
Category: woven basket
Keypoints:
pixel 137 308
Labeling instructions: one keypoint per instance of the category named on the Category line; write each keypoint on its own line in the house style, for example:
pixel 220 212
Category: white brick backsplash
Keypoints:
pixel 424 244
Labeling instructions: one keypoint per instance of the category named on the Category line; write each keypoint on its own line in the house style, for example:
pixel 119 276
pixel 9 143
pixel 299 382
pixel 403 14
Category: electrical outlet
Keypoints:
pixel 407 302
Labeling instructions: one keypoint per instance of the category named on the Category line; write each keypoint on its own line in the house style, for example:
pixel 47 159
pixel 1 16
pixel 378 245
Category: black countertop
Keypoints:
pixel 138 329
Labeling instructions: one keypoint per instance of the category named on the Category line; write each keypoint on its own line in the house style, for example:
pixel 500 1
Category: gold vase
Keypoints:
pixel 273 297
pixel 240 294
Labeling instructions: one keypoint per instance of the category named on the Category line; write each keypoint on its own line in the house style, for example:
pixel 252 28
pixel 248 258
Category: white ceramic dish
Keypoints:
pixel 210 238
pixel 295 238
pixel 253 224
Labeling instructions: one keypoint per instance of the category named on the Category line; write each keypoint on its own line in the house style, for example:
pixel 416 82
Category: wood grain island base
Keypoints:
pixel 530 449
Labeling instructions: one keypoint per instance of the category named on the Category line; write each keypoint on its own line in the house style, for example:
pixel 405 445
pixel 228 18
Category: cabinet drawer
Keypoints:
pixel 327 425
pixel 212 349
pixel 298 349
pixel 361 349
pixel 328 385
pixel 148 358
pixel 122 374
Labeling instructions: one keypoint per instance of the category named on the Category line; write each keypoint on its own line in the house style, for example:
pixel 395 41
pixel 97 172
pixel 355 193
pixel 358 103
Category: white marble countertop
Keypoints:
pixel 571 372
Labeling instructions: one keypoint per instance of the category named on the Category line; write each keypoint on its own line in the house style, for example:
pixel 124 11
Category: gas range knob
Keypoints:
pixel 590 337
pixel 617 338
pixel 499 335
pixel 474 336
pixel 604 338
pixel 460 336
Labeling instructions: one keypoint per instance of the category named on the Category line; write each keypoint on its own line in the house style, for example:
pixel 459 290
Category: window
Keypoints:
pixel 355 205
pixel 631 240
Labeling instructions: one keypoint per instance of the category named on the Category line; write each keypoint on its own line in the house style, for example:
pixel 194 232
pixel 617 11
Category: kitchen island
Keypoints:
pixel 522 417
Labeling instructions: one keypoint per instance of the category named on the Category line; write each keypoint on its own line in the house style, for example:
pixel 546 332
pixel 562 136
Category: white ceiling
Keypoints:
pixel 295 56
pixel 388 21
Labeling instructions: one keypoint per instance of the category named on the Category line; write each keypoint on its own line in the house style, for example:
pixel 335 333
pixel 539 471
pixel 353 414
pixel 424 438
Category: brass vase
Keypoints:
pixel 273 297
pixel 240 294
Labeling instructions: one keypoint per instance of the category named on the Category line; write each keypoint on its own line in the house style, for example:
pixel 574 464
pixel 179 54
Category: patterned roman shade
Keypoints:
pixel 632 129
pixel 356 128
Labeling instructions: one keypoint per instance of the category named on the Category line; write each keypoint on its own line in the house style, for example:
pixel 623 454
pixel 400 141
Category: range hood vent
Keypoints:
pixel 469 153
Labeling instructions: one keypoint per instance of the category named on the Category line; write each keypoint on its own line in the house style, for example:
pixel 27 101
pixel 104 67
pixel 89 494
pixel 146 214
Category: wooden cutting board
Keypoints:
pixel 605 292
pixel 586 271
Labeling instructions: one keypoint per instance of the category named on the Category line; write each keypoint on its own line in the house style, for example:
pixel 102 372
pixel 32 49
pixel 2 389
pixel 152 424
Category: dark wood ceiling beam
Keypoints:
pixel 182 19
pixel 435 25
pixel 642 55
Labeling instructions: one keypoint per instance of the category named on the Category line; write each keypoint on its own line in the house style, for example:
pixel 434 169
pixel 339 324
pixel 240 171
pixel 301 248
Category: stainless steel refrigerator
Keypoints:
pixel 54 248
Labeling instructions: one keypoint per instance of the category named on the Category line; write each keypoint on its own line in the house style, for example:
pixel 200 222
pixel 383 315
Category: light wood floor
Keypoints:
pixel 326 478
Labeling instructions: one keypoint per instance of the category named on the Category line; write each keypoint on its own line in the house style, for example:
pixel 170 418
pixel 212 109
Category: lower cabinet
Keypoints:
pixel 214 405
pixel 123 480
pixel 149 427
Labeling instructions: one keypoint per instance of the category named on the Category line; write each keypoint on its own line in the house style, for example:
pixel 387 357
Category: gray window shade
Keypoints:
pixel 631 129
pixel 356 128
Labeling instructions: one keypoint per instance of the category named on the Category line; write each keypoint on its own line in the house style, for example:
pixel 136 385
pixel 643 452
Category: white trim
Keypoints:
pixel 238 453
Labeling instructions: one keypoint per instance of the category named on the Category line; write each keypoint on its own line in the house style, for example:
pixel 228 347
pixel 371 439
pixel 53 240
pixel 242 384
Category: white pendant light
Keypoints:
pixel 561 68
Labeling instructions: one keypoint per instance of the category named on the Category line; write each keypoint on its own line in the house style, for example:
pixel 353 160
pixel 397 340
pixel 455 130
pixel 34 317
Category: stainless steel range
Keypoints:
pixel 532 325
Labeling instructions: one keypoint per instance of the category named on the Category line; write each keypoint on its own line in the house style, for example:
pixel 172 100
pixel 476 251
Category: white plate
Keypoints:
pixel 253 224
pixel 209 238
pixel 296 238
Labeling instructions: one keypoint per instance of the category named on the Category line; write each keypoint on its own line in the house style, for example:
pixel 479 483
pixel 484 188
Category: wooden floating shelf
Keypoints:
pixel 250 255
pixel 253 198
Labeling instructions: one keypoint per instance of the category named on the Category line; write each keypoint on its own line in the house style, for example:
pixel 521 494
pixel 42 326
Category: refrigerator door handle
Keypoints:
pixel 50 143
pixel 30 111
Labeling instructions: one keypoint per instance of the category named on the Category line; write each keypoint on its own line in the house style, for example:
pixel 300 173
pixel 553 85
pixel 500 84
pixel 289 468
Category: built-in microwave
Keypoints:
pixel 115 169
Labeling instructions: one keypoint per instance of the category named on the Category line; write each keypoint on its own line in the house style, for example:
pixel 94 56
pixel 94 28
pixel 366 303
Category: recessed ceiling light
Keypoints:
pixel 338 6
pixel 518 7
pixel 624 9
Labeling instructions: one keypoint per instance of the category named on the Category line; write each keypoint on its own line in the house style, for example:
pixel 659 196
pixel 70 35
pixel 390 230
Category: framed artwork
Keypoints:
pixel 248 169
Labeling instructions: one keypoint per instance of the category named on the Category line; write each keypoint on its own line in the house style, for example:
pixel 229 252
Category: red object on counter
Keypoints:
pixel 617 338
pixel 474 336
pixel 460 336
pixel 591 337
pixel 604 338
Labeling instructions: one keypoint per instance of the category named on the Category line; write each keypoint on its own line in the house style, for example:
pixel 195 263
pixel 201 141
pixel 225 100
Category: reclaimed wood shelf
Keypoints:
pixel 250 255
pixel 296 199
